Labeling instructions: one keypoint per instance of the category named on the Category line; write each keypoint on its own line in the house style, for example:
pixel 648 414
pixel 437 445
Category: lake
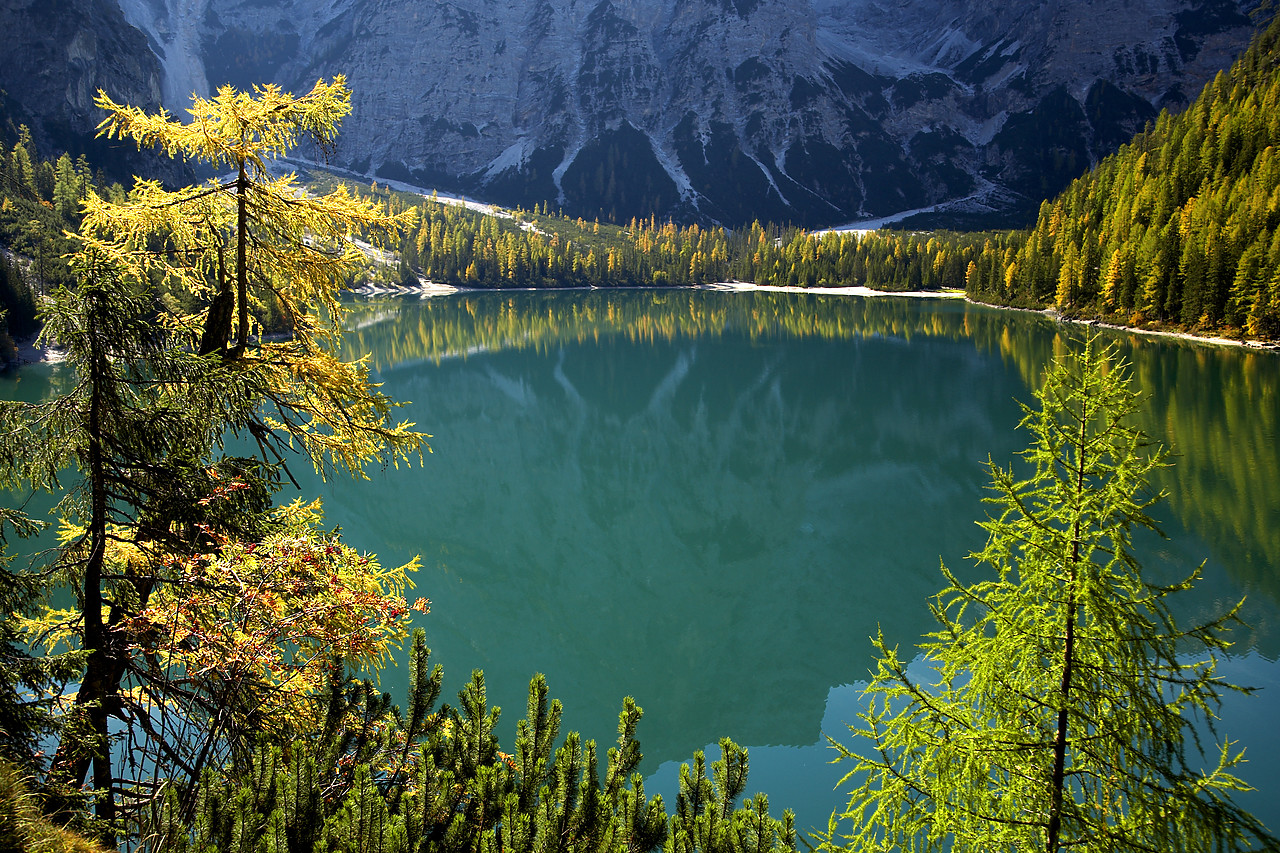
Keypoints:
pixel 710 500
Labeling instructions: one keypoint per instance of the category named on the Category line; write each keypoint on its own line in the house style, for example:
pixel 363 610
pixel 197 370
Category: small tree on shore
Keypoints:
pixel 1065 706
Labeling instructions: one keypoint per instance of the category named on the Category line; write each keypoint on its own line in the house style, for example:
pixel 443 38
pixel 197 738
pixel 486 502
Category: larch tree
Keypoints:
pixel 178 560
pixel 252 239
pixel 1064 709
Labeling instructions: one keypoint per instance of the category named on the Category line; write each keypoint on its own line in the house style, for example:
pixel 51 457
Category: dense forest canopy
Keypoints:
pixel 1178 228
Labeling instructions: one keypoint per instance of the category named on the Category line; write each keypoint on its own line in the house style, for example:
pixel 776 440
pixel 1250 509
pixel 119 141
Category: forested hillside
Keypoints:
pixel 1178 229
pixel 464 247
pixel 39 200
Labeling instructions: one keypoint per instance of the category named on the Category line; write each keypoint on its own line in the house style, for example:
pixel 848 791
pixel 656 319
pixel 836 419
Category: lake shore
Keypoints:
pixel 29 353
pixel 834 291
pixel 1052 313
pixel 959 294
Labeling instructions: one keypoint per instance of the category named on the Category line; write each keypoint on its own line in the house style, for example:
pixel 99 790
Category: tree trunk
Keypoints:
pixel 217 326
pixel 1068 652
pixel 98 688
pixel 242 263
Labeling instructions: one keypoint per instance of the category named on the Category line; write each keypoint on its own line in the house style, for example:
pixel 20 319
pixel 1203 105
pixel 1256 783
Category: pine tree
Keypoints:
pixel 1186 199
pixel 135 426
pixel 17 302
pixel 458 792
pixel 1061 709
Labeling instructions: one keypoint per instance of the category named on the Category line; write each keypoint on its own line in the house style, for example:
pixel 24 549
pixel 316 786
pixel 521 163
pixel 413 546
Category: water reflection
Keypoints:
pixel 710 500
pixel 714 528
pixel 1217 408
pixel 803 779
pixel 396 331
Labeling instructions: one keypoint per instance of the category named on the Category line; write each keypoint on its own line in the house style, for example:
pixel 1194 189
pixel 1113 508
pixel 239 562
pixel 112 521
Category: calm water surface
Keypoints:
pixel 709 501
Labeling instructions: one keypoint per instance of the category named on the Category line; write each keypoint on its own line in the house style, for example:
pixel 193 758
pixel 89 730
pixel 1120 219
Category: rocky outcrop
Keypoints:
pixel 812 111
pixel 57 54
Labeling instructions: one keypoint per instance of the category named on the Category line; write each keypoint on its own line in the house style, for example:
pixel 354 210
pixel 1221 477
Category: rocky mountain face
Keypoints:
pixel 810 111
pixel 56 55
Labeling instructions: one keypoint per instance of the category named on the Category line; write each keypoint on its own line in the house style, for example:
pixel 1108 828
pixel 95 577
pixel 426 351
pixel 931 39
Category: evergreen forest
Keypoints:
pixel 1176 230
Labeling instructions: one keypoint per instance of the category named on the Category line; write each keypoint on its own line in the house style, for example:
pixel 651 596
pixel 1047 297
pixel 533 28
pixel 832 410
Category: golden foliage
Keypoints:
pixel 259 240
pixel 259 623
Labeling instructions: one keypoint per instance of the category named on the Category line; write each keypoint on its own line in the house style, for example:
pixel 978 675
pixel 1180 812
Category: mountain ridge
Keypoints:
pixel 809 111
pixel 1177 229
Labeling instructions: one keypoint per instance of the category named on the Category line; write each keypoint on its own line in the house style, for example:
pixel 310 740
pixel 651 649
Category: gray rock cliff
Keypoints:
pixel 57 54
pixel 810 111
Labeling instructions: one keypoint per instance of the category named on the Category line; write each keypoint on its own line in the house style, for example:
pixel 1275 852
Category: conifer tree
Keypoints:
pixel 1187 198
pixel 254 239
pixel 28 682
pixel 249 237
pixel 158 390
pixel 1060 710
pixel 457 792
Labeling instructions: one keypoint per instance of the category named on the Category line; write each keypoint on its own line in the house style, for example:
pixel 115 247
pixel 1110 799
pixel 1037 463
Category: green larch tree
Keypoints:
pixel 1062 702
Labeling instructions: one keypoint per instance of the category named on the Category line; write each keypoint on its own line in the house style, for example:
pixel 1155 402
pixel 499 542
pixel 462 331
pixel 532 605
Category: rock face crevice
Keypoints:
pixel 57 54
pixel 810 111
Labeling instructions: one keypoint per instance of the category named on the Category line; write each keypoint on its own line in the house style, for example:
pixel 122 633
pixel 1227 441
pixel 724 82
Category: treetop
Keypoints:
pixel 235 128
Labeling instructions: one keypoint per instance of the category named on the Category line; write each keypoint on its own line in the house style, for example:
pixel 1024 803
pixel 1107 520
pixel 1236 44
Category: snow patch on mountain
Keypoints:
pixel 513 158
pixel 949 47
pixel 835 43
pixel 669 165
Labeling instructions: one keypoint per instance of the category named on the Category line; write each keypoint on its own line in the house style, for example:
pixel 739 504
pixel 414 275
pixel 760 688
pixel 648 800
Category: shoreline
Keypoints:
pixel 852 290
pixel 1052 314
pixel 1269 346
pixel 29 353
pixel 431 288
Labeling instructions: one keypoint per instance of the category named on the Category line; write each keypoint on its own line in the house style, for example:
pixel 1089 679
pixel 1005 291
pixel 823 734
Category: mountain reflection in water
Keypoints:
pixel 710 500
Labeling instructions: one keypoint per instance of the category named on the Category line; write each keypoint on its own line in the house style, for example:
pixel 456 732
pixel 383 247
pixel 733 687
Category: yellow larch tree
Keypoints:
pixel 250 237
pixel 166 532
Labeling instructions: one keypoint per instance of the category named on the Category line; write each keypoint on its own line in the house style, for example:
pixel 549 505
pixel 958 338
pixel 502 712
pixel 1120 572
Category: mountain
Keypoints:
pixel 57 54
pixel 810 111
pixel 1179 229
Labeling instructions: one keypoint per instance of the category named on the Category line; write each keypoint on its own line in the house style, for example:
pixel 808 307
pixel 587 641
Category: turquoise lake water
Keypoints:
pixel 708 501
